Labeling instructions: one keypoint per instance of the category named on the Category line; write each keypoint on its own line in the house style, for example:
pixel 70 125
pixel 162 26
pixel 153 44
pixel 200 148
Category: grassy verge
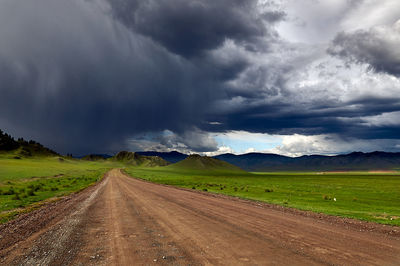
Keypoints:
pixel 364 196
pixel 25 182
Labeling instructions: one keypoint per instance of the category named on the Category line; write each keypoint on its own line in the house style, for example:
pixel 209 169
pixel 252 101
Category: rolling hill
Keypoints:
pixel 135 159
pixel 203 163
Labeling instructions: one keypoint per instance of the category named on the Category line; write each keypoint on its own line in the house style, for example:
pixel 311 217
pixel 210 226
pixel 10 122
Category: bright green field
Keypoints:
pixel 370 197
pixel 24 182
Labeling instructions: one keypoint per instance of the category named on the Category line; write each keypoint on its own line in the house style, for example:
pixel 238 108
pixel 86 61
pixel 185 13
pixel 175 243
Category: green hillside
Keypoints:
pixel 203 163
pixel 134 159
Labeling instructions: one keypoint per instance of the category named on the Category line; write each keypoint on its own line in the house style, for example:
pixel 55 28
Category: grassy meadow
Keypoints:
pixel 365 196
pixel 26 181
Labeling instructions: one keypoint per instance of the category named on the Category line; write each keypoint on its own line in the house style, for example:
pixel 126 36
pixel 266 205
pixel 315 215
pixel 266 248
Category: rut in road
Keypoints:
pixel 133 222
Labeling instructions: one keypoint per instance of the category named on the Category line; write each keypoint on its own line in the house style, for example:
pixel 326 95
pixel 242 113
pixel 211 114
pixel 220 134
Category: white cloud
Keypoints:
pixel 370 13
pixel 251 149
pixel 385 119
pixel 221 150
pixel 313 21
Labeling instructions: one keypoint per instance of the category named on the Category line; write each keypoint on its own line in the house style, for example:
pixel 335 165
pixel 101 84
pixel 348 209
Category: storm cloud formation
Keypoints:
pixel 190 28
pixel 100 76
pixel 69 69
pixel 377 47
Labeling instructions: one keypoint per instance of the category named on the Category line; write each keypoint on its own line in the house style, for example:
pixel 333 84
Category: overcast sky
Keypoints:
pixel 291 77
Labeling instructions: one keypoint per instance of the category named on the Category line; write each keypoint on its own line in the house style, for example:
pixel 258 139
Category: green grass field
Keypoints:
pixel 370 197
pixel 26 181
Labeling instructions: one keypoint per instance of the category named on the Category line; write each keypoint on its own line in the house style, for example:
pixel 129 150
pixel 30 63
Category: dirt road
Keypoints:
pixel 125 221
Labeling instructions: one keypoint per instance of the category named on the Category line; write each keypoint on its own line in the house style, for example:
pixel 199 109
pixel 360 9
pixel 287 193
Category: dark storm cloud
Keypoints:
pixel 377 47
pixel 100 76
pixel 190 141
pixel 189 28
pixel 77 79
pixel 346 119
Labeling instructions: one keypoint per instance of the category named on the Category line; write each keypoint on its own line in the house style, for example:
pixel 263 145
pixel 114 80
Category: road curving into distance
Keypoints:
pixel 126 221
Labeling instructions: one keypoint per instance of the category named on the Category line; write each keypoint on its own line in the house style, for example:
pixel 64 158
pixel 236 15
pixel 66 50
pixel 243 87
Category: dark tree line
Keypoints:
pixel 8 143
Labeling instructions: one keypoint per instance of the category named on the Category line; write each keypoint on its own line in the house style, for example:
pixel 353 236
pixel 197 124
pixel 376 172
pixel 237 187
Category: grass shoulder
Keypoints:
pixel 27 182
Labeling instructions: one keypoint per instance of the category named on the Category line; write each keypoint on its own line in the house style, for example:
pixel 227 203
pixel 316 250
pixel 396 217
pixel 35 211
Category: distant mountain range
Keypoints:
pixel 274 162
pixel 250 162
pixel 352 161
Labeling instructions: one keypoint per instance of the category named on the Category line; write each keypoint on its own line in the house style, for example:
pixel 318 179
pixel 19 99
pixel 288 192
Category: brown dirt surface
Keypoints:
pixel 356 171
pixel 126 221
pixel 383 172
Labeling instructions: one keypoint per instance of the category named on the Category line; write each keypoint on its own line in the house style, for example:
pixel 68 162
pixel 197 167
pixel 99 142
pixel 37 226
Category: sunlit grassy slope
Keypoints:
pixel 26 181
pixel 203 163
pixel 370 197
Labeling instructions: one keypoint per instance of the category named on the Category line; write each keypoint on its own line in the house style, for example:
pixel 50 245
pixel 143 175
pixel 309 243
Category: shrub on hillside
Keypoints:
pixel 7 142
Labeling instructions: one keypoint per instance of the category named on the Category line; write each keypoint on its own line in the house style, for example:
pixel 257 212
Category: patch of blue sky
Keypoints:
pixel 242 141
